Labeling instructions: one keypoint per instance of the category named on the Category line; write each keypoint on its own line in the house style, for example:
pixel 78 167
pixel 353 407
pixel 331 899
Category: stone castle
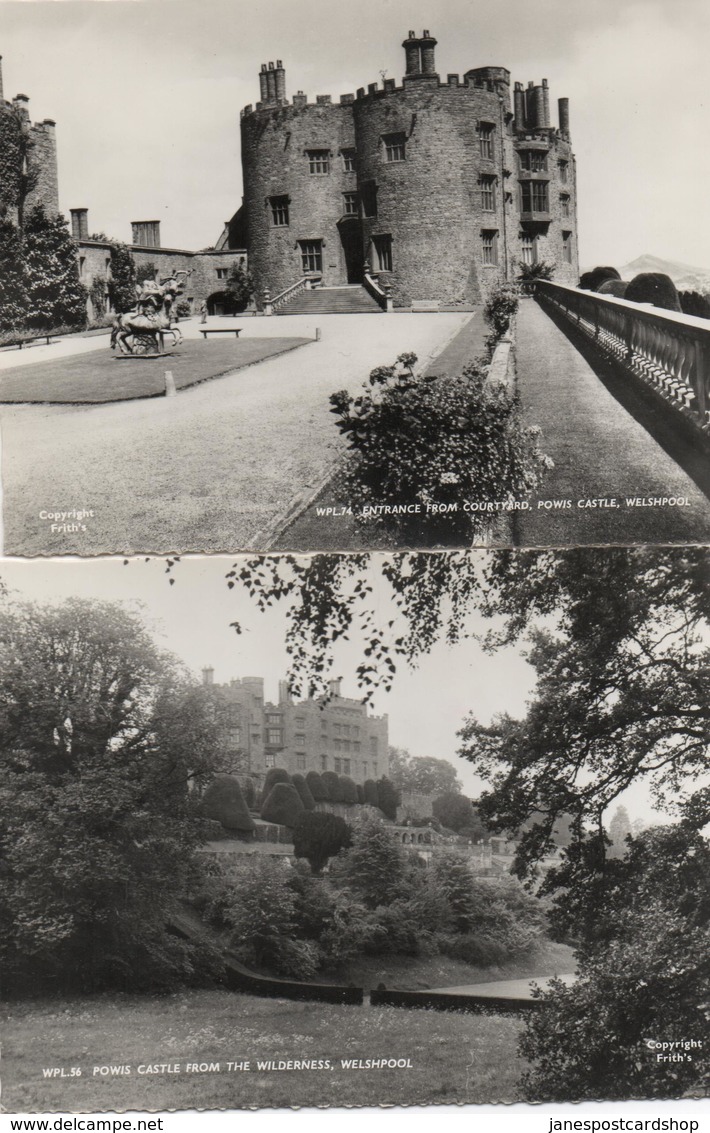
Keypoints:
pixel 440 186
pixel 309 735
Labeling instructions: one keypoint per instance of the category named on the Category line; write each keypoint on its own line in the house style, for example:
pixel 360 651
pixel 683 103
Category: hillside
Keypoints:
pixel 686 277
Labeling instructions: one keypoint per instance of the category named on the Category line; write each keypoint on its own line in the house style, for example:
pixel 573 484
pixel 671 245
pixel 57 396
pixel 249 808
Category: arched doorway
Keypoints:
pixel 222 303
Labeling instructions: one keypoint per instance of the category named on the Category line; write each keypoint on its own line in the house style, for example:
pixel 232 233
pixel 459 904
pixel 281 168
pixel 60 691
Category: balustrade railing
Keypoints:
pixel 381 294
pixel 668 351
pixel 284 297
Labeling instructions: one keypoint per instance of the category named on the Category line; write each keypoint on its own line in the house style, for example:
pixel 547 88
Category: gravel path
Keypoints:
pixel 206 470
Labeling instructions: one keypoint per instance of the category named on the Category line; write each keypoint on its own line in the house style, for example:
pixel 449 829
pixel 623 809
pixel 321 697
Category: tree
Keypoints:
pixel 273 776
pixel 591 280
pixel 388 798
pixel 122 278
pixel 13 282
pixel 97 830
pixel 54 295
pixel 422 774
pixel 331 782
pixel 224 802
pixel 240 285
pixel 348 790
pixel 283 805
pixel 375 866
pixel 453 811
pixel 316 787
pixel 619 831
pixel 18 166
pixel 643 973
pixel 318 837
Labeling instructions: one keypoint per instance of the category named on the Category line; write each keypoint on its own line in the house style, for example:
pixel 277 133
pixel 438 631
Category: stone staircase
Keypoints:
pixel 351 299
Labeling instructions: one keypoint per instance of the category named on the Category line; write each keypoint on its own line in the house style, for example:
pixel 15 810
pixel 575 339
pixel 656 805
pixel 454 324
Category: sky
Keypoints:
pixel 147 95
pixel 191 619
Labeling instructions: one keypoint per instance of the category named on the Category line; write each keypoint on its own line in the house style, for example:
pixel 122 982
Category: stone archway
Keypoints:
pixel 222 303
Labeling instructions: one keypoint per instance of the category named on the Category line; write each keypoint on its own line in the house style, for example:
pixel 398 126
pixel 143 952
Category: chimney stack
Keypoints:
pixel 280 80
pixel 79 223
pixel 263 86
pixel 563 110
pixel 427 44
pixel 146 233
pixel 545 104
pixel 411 54
pixel 208 675
pixel 519 102
pixel 271 83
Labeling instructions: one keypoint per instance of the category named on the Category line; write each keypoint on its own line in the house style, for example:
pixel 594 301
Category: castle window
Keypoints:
pixel 373 745
pixel 82 266
pixel 301 761
pixel 350 204
pixel 533 161
pixel 318 160
pixel 534 196
pixel 394 147
pixel 324 763
pixel 356 747
pixel 364 769
pixel 337 763
pixel 488 193
pixel 356 731
pixel 485 139
pixel 311 256
pixel 562 166
pixel 564 204
pixel 235 737
pixel 346 767
pixel 348 156
pixel 270 760
pixel 529 251
pixel 279 212
pixel 299 740
pixel 369 199
pixel 567 247
pixel 222 273
pixel 273 718
pixel 273 737
pixel 489 248
pixel 383 251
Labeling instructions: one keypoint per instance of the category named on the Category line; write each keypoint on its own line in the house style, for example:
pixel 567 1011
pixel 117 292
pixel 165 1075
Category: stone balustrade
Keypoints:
pixel 669 352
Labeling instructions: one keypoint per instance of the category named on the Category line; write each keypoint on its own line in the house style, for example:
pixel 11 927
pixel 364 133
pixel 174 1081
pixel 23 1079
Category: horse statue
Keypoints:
pixel 151 320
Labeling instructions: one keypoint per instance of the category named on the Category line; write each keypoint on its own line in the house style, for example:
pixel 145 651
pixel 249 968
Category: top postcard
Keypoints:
pixel 440 286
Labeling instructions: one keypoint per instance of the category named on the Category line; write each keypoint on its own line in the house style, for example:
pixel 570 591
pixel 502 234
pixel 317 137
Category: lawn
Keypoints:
pixel 89 379
pixel 454 1057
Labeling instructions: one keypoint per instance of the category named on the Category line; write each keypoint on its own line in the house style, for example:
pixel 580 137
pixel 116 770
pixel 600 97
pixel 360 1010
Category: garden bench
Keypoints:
pixel 204 331
pixel 32 338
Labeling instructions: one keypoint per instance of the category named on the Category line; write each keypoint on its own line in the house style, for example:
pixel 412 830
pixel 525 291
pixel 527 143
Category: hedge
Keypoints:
pixel 304 792
pixel 348 790
pixel 655 288
pixel 331 782
pixel 316 787
pixel 224 802
pixel 591 280
pixel 370 789
pixel 283 805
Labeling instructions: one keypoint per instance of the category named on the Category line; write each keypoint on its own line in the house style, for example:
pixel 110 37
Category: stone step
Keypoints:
pixel 350 300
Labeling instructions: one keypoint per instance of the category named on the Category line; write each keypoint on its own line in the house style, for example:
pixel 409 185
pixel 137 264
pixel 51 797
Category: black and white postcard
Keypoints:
pixel 318 279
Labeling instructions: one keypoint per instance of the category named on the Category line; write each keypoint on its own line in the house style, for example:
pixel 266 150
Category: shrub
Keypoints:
pixel 348 790
pixel 616 287
pixel 240 285
pixel 370 792
pixel 331 782
pixel 318 837
pixel 388 797
pixel 283 805
pixel 183 309
pixel 273 776
pixel 316 787
pixel 500 308
pixel 224 802
pixel 360 793
pixel 249 792
pixel 590 280
pixel 693 303
pixel 305 795
pixel 432 442
pixel 122 279
pixel 655 288
pixel 375 866
pixel 55 296
pixel 13 289
pixel 260 909
pixel 528 274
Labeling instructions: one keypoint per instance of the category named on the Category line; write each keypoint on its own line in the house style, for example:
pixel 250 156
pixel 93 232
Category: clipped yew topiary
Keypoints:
pixel 318 837
pixel 224 802
pixel 360 793
pixel 316 787
pixel 249 792
pixel 591 280
pixel 653 287
pixel 283 805
pixel 301 786
pixel 370 789
pixel 331 782
pixel 388 797
pixel 348 790
pixel 616 287
pixel 273 776
pixel 694 303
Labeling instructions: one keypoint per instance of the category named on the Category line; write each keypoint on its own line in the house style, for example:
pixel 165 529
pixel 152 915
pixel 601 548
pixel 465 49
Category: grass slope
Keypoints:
pixel 454 1057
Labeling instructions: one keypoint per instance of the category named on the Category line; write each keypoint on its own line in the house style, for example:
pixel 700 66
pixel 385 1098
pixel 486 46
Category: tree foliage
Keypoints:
pixel 13 279
pixel 388 797
pixel 655 288
pixel 224 802
pixel 454 811
pixel 240 285
pixel 318 837
pixel 304 791
pixel 316 787
pixel 99 740
pixel 375 865
pixel 422 774
pixel 54 295
pixel 282 805
pixel 122 278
